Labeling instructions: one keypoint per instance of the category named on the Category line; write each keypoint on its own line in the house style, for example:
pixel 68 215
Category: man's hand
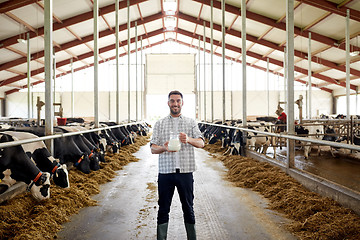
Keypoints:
pixel 183 137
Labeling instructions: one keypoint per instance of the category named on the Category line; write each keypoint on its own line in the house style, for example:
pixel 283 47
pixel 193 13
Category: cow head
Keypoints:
pixel 40 186
pixel 61 176
pixel 94 161
pixel 83 164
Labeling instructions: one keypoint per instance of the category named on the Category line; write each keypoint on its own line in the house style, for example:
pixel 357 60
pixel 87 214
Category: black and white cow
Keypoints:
pixel 43 159
pixel 312 132
pixel 80 142
pixel 18 166
pixel 259 142
pixel 65 149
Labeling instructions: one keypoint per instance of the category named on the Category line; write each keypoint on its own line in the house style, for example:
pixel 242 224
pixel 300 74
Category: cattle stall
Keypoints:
pixel 18 144
pixel 326 187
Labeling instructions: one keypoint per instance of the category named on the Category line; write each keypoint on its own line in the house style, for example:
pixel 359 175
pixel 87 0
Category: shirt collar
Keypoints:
pixel 174 117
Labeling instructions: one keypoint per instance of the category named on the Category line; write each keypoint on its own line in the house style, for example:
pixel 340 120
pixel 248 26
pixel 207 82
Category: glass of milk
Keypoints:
pixel 174 142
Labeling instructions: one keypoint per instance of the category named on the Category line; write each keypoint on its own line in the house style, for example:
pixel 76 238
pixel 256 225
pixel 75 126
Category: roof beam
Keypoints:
pixel 12 5
pixel 257 67
pixel 80 57
pixel 269 44
pixel 77 42
pixel 80 68
pixel 279 25
pixel 70 21
pixel 333 8
pixel 271 60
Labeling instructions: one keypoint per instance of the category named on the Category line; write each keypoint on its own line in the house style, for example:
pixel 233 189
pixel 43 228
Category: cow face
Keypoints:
pixel 61 176
pixel 41 189
pixel 84 164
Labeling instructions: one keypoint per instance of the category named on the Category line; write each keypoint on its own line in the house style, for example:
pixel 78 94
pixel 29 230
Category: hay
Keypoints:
pixel 24 218
pixel 314 216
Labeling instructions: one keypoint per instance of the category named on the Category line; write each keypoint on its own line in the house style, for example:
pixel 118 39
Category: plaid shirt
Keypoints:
pixel 161 134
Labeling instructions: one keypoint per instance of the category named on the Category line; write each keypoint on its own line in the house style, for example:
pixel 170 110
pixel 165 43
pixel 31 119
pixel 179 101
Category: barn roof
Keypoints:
pixel 156 24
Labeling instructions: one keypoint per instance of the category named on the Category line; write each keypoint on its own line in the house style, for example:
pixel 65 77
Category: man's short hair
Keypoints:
pixel 175 92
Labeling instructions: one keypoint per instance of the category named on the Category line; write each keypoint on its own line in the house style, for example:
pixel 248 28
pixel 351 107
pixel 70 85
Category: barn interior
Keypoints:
pixel 116 61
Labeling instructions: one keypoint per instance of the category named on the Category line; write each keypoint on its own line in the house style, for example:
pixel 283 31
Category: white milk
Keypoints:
pixel 174 144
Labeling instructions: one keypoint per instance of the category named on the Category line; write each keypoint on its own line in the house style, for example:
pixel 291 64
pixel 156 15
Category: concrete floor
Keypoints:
pixel 128 206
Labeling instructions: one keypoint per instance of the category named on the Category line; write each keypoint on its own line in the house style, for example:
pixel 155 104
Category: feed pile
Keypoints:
pixel 23 217
pixel 314 216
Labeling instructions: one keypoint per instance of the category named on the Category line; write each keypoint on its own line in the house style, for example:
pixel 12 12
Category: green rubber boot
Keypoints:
pixel 190 231
pixel 162 231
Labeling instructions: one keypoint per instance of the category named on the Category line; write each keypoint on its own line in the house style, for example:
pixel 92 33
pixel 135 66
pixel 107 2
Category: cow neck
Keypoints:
pixel 80 160
pixel 34 181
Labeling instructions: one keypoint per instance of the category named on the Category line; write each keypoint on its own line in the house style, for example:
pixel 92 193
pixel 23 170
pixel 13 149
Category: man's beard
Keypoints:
pixel 173 112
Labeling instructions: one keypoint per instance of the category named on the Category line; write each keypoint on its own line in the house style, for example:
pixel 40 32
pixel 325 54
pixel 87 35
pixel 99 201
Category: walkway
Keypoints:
pixel 128 205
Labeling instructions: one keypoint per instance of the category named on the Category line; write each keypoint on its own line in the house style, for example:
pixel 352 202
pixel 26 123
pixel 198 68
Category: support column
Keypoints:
pixel 141 79
pixel 347 47
pixel 199 82
pixel 290 80
pixel 128 42
pixel 223 58
pixel 48 51
pixel 136 73
pixel 268 86
pixel 117 62
pixel 28 74
pixel 204 39
pixel 96 64
pixel 212 58
pixel 72 88
pixel 243 59
pixel 309 76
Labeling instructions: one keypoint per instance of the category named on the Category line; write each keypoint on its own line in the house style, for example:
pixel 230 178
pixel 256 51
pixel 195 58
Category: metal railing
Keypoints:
pixel 292 137
pixel 60 135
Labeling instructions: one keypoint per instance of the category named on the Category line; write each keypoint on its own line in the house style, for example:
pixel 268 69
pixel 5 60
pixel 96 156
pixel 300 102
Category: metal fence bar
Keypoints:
pixel 293 137
pixel 59 135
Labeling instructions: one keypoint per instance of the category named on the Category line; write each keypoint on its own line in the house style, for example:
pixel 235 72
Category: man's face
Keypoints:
pixel 175 104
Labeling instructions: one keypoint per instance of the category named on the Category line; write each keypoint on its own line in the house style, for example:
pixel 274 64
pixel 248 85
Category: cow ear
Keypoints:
pixel 64 166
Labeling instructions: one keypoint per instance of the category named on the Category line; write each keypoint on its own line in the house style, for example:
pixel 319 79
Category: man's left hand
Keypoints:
pixel 183 137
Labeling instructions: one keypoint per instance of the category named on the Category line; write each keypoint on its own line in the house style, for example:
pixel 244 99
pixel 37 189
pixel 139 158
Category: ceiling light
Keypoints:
pixel 20 40
pixel 354 53
pixel 170 5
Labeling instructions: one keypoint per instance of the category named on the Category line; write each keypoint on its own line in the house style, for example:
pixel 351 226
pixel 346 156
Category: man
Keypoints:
pixel 176 167
pixel 281 119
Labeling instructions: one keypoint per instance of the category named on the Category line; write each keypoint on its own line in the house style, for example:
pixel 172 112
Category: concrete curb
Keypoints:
pixel 343 195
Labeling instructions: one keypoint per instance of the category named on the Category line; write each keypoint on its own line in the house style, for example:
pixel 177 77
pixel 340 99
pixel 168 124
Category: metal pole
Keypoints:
pixel 243 58
pixel 141 79
pixel 196 92
pixel 128 42
pixel 223 56
pixel 117 62
pixel 204 39
pixel 49 113
pixel 96 63
pixel 231 96
pixel 268 87
pixel 28 75
pixel 199 104
pixel 54 75
pixel 136 73
pixel 309 76
pixel 290 80
pixel 72 88
pixel 212 58
pixel 347 44
pixel 285 78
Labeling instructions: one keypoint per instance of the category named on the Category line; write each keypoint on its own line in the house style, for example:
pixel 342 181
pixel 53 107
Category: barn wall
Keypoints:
pixel 16 104
pixel 257 104
pixel 84 105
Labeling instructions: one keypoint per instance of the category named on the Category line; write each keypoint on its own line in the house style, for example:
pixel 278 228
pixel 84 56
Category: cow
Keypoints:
pixel 259 142
pixel 38 152
pixel 80 142
pixel 312 132
pixel 65 149
pixel 17 166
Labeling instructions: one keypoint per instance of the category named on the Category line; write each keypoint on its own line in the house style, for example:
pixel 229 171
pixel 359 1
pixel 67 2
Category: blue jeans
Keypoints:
pixel 184 182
